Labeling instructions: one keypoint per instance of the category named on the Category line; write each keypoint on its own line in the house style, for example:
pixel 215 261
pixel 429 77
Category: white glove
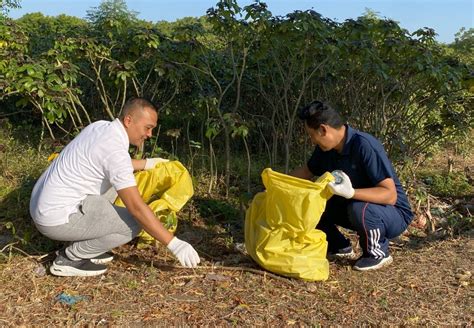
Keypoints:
pixel 151 162
pixel 343 188
pixel 184 252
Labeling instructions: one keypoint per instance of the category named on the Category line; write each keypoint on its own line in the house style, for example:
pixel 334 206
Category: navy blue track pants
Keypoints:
pixel 374 223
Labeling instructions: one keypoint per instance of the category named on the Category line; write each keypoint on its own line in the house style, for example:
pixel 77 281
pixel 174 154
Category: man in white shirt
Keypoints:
pixel 69 201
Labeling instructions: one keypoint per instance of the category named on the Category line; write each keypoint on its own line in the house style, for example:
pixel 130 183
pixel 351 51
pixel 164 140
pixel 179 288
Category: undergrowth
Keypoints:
pixel 453 184
pixel 20 165
pixel 22 162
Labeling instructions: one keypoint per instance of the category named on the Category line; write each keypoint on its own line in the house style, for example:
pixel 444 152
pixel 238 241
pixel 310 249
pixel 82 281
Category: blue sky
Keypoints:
pixel 446 17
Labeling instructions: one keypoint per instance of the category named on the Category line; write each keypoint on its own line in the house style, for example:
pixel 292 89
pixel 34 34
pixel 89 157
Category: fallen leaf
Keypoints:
pixel 351 299
pixel 462 276
pixel 217 277
pixel 242 307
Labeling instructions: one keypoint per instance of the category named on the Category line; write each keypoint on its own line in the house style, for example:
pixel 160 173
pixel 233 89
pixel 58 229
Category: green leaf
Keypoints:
pixel 22 102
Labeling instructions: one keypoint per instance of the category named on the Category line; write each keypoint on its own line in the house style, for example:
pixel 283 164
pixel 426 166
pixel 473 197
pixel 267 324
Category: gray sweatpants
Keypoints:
pixel 98 227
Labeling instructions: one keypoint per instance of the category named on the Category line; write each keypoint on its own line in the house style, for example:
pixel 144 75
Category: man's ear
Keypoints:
pixel 323 130
pixel 127 120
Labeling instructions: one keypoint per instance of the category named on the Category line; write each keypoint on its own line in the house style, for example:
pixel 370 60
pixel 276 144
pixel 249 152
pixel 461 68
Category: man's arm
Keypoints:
pixel 147 164
pixel 183 251
pixel 383 193
pixel 138 164
pixel 144 215
pixel 302 172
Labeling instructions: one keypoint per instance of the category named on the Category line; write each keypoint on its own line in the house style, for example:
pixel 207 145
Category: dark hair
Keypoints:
pixel 317 113
pixel 135 104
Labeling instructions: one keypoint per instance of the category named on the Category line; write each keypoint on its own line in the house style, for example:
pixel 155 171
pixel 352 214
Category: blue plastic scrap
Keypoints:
pixel 65 298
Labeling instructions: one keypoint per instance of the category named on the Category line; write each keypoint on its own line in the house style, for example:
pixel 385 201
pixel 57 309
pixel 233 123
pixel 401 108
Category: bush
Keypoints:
pixel 454 184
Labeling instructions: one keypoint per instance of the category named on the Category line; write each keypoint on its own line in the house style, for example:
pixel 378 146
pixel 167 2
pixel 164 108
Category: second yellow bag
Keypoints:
pixel 280 232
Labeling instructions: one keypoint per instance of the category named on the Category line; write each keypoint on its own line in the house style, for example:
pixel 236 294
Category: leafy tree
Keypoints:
pixel 235 78
pixel 6 5
pixel 401 87
pixel 463 47
pixel 45 84
pixel 44 31
pixel 218 64
pixel 111 18
pixel 294 52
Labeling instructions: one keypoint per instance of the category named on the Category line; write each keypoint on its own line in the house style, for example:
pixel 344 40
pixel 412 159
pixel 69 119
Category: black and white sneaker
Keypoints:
pixel 63 266
pixel 101 259
pixel 346 253
pixel 371 263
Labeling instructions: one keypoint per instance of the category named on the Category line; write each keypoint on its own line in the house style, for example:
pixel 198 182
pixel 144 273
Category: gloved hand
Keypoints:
pixel 344 187
pixel 184 252
pixel 151 162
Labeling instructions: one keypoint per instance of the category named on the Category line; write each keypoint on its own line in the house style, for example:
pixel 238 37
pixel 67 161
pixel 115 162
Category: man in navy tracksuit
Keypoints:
pixel 368 198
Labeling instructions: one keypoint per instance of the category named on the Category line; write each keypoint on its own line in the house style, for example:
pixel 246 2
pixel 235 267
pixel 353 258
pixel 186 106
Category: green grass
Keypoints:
pixel 20 166
pixel 454 184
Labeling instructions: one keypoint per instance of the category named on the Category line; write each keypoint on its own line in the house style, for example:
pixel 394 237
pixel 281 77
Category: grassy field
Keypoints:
pixel 429 283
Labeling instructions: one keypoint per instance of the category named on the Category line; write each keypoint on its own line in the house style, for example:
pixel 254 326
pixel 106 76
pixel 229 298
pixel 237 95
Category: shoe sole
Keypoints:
pixel 341 257
pixel 72 272
pixel 102 261
pixel 386 261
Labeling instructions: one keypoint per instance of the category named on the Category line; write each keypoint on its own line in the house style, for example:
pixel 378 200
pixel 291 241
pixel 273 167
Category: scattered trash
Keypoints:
pixel 102 322
pixel 69 299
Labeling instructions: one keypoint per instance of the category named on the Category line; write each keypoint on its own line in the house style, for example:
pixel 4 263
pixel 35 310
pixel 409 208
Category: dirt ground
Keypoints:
pixel 429 283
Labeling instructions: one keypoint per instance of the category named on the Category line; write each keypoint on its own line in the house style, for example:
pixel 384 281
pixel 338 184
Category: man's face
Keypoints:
pixel 320 137
pixel 139 125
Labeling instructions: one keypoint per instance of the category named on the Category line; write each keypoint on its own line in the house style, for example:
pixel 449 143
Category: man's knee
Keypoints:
pixel 136 229
pixel 356 212
pixel 128 222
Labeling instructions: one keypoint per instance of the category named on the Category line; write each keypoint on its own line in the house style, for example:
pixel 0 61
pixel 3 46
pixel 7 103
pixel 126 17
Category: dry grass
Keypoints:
pixel 427 284
pixel 145 287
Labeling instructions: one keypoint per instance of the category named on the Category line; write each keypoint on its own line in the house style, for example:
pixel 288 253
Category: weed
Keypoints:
pixel 116 314
pixel 132 284
pixel 457 224
pixel 454 184
pixel 383 302
pixel 217 211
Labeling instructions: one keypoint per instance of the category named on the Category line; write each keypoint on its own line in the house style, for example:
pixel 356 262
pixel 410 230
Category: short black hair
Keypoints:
pixel 318 112
pixel 134 104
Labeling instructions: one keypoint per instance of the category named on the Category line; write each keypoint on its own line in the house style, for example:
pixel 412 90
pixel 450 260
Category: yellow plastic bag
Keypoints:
pixel 165 189
pixel 280 232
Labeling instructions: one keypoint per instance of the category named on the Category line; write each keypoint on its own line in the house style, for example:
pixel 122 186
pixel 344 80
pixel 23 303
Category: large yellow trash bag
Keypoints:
pixel 280 232
pixel 165 189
